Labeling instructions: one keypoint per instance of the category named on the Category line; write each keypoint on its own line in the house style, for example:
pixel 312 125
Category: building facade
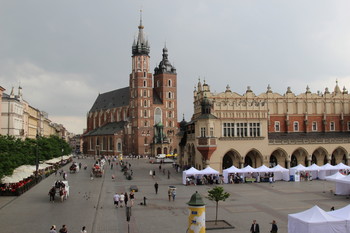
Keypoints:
pixel 232 129
pixel 140 119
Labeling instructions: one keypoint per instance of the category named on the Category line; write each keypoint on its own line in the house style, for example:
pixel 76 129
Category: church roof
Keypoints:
pixel 112 99
pixel 108 129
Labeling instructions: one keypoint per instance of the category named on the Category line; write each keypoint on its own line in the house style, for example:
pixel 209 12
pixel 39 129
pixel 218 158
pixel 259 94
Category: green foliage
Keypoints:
pixel 16 152
pixel 217 194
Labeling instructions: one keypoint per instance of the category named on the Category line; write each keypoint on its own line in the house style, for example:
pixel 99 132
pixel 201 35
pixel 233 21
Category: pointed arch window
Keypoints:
pixel 144 82
pixel 157 115
pixel 169 82
pixel 145 103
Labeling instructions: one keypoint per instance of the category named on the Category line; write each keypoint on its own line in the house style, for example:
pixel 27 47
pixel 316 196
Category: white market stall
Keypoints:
pixel 187 173
pixel 343 213
pixel 208 171
pixel 280 173
pixel 314 169
pixel 342 186
pixel 228 171
pixel 327 170
pixel 315 220
pixel 294 172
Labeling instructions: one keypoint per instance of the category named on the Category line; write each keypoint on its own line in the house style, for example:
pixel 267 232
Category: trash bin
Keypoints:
pixel 291 178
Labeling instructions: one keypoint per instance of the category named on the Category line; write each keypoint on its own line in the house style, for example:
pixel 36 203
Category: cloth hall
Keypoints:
pixel 268 129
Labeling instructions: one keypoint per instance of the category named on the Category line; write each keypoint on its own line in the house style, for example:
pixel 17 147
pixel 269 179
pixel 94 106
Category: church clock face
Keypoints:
pixel 157 116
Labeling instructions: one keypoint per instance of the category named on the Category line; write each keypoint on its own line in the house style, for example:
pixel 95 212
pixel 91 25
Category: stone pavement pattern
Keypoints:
pixel 91 203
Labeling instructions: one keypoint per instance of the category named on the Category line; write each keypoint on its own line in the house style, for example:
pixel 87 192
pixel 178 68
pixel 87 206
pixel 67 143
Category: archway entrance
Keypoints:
pixel 301 156
pixel 229 159
pixel 273 161
pixel 293 161
pixel 278 156
pixel 253 158
pixel 319 156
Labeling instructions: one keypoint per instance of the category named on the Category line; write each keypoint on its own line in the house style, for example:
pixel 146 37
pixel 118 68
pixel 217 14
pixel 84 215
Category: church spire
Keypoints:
pixel 141 45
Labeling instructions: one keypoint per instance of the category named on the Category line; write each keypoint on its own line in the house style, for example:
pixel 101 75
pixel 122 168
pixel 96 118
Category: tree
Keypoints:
pixel 217 194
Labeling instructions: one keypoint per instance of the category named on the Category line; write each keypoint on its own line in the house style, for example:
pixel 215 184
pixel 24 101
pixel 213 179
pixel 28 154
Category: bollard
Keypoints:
pixel 144 200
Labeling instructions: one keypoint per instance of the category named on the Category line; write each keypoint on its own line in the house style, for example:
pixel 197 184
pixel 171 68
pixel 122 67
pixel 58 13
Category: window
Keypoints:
pixel 146 123
pixel 332 126
pixel 144 93
pixel 157 115
pixel 169 95
pixel 145 113
pixel 296 126
pixel 144 75
pixel 211 132
pixel 145 103
pixel 170 124
pixel 203 135
pixel 144 82
pixel 119 147
pixel 229 129
pixel 170 114
pixel 169 83
pixel 314 126
pixel 277 126
pixel 169 104
pixel 254 129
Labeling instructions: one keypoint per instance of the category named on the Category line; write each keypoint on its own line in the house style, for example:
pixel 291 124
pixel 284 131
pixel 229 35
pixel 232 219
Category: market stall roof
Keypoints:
pixel 300 167
pixel 248 169
pixel 328 167
pixel 279 168
pixel 342 166
pixel 345 180
pixel 191 171
pixel 263 168
pixel 343 213
pixel 335 177
pixel 232 169
pixel 313 167
pixel 208 170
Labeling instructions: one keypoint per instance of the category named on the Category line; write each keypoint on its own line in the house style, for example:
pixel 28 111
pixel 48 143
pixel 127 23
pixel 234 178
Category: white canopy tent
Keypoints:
pixel 189 172
pixel 209 171
pixel 295 171
pixel 280 173
pixel 262 169
pixel 342 166
pixel 327 170
pixel 343 213
pixel 315 220
pixel 335 177
pixel 342 186
pixel 314 169
pixel 247 169
pixel 229 171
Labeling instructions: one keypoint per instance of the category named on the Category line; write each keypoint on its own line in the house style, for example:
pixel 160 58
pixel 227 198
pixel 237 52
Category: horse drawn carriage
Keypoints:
pixel 60 189
pixel 74 167
pixel 97 170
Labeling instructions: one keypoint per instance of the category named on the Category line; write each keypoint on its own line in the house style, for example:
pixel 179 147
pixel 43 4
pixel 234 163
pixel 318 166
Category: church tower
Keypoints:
pixel 141 94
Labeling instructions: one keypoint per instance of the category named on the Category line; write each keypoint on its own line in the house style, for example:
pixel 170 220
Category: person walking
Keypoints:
pixel 53 229
pixel 132 197
pixel 168 174
pixel 121 199
pixel 255 227
pixel 83 230
pixel 63 229
pixel 116 199
pixel 173 193
pixel 126 199
pixel 274 228
pixel 156 187
pixel 169 194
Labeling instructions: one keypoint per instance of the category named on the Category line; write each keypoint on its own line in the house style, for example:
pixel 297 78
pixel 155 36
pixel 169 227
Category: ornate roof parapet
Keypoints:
pixel 165 66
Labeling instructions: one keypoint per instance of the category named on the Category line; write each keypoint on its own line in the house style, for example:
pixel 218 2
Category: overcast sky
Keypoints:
pixel 65 52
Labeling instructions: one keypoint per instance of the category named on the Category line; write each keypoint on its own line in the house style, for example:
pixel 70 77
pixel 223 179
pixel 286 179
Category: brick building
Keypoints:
pixel 231 129
pixel 138 119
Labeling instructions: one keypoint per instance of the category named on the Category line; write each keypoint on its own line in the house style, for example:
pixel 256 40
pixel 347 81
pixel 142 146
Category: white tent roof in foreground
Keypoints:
pixel 341 166
pixel 343 213
pixel 191 171
pixel 345 180
pixel 327 166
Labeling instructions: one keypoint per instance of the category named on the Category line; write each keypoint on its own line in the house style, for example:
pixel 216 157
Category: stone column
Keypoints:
pixel 288 164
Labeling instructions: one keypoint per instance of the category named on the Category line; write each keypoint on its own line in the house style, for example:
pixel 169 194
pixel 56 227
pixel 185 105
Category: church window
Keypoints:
pixel 146 141
pixel 144 93
pixel 314 126
pixel 169 104
pixel 169 95
pixel 332 126
pixel 145 103
pixel 144 73
pixel 158 83
pixel 170 114
pixel 146 123
pixel 145 113
pixel 144 82
pixel 157 115
pixel 119 147
pixel 110 143
pixel 169 83
pixel 170 124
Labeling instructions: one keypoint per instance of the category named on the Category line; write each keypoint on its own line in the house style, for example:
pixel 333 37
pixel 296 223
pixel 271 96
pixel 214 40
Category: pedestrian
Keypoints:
pixel 56 172
pixel 160 167
pixel 83 230
pixel 173 193
pixel 116 199
pixel 255 227
pixel 79 166
pixel 154 173
pixel 53 229
pixel 169 194
pixel 63 229
pixel 156 187
pixel 65 175
pixel 121 199
pixel 274 228
pixel 151 173
pixel 126 199
pixel 132 197
pixel 168 174
pixel 52 193
pixel 111 166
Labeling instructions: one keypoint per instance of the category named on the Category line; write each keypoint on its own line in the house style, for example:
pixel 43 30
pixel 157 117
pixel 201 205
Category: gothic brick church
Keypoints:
pixel 140 119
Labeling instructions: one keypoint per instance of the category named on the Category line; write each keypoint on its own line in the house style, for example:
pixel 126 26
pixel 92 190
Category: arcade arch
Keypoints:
pixel 278 156
pixel 299 156
pixel 231 157
pixel 253 158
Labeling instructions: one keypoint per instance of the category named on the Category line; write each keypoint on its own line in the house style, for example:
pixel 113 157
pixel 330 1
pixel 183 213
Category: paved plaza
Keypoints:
pixel 91 203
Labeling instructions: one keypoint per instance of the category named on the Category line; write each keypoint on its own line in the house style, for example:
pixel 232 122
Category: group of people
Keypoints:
pixel 256 229
pixel 235 178
pixel 122 199
pixel 61 188
pixel 64 229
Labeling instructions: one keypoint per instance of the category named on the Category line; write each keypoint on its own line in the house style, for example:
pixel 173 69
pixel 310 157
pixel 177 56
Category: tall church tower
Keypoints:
pixel 165 87
pixel 141 94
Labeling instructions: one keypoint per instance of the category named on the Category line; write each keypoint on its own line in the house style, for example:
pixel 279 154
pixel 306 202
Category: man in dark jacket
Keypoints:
pixel 255 227
pixel 156 187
